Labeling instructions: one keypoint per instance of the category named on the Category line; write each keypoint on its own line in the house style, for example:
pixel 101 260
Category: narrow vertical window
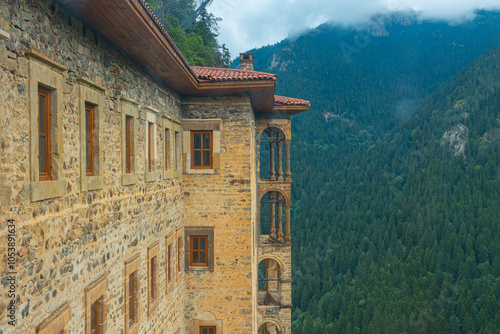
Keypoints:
pixel 170 263
pixel 167 149
pixel 198 251
pixel 96 316
pixel 128 143
pixel 179 254
pixel 132 298
pixel 89 138
pixel 154 279
pixel 201 149
pixel 44 134
pixel 177 151
pixel 150 146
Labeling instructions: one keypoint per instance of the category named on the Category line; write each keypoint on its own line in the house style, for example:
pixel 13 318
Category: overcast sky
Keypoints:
pixel 247 24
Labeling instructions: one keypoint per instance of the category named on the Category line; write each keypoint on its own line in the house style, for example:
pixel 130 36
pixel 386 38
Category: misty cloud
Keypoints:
pixel 253 23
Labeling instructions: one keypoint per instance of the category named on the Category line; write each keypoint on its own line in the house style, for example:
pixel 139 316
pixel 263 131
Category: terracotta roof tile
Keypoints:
pixel 212 74
pixel 288 101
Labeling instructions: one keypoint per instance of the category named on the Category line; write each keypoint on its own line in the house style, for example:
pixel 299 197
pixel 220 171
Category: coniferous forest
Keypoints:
pixel 396 189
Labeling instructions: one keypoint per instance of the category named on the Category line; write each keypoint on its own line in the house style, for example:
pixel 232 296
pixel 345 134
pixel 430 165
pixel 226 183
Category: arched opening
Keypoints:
pixel 269 282
pixel 274 214
pixel 269 328
pixel 273 155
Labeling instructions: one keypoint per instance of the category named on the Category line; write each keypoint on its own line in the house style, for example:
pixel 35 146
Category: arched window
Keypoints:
pixel 269 280
pixel 269 328
pixel 275 217
pixel 273 155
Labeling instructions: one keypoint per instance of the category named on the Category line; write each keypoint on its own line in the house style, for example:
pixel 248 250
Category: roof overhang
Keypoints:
pixel 132 27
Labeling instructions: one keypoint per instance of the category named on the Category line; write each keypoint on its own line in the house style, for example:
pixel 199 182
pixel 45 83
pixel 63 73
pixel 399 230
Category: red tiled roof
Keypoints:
pixel 288 101
pixel 212 74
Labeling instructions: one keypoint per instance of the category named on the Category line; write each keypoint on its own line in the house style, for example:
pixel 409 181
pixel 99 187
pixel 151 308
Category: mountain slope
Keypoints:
pixel 412 223
pixel 396 192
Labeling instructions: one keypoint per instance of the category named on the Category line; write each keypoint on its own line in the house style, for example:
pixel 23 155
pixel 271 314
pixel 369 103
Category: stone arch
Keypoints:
pixel 281 191
pixel 275 258
pixel 207 315
pixel 283 129
pixel 279 327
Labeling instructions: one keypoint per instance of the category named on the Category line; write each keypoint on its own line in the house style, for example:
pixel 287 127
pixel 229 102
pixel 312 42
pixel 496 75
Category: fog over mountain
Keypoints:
pixel 249 24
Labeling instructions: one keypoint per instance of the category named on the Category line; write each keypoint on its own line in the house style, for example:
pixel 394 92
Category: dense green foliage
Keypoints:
pixel 393 231
pixel 198 43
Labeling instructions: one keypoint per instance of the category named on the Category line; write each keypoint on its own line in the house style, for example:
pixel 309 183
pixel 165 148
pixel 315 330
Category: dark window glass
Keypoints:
pixel 197 141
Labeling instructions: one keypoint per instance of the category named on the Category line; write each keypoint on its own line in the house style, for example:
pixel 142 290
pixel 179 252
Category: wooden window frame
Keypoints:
pixel 192 251
pixel 129 123
pixel 46 176
pixel 208 327
pixel 177 142
pixel 93 295
pixel 132 267
pixel 179 254
pixel 210 150
pixel 90 140
pixel 153 278
pixel 132 298
pixel 169 254
pixel 91 106
pixel 151 143
pixel 167 150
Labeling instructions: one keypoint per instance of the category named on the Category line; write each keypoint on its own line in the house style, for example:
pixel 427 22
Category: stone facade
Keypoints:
pixel 79 237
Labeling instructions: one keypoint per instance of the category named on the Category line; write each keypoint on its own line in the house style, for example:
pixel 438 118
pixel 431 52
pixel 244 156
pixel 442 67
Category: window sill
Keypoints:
pixel 92 182
pixel 151 176
pixel 199 269
pixel 129 179
pixel 152 307
pixel 46 190
pixel 200 171
pixel 133 329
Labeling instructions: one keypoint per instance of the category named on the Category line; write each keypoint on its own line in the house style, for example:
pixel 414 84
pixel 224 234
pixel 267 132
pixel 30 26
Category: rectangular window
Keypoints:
pixel 170 274
pixel 133 283
pixel 150 146
pixel 201 149
pixel 208 330
pixel 128 143
pixel 177 151
pixel 89 138
pixel 96 296
pixel 167 150
pixel 179 254
pixel 44 133
pixel 56 323
pixel 153 280
pixel 96 317
pixel 198 250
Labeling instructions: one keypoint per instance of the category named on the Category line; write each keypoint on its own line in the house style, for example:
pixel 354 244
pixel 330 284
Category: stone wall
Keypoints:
pixel 67 243
pixel 224 199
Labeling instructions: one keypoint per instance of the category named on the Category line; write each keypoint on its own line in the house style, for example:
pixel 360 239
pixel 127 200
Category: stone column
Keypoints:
pixel 258 159
pixel 280 157
pixel 288 172
pixel 288 237
pixel 272 144
pixel 272 205
pixel 272 285
pixel 280 217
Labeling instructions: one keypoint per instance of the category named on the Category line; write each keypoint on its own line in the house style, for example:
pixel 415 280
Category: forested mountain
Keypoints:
pixel 198 42
pixel 396 212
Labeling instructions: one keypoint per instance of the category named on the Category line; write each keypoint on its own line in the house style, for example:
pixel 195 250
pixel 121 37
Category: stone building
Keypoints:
pixel 131 193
